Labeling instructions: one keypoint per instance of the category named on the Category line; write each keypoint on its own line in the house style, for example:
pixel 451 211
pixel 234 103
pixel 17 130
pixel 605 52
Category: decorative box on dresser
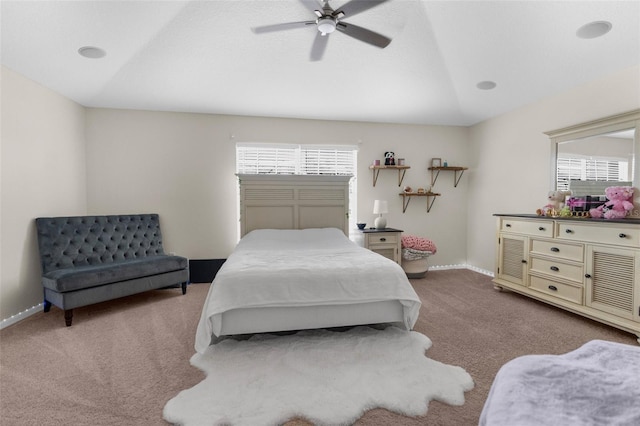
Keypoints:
pixel 587 266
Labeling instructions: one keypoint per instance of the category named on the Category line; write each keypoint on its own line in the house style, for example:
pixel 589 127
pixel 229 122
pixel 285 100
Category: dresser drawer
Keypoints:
pixel 383 238
pixel 603 234
pixel 541 228
pixel 560 290
pixel 557 269
pixel 558 249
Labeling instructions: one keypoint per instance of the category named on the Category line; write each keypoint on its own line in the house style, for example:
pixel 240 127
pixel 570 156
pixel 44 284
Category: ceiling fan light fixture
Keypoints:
pixel 326 25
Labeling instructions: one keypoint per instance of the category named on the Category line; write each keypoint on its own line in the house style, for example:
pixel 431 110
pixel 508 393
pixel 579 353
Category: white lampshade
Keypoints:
pixel 380 207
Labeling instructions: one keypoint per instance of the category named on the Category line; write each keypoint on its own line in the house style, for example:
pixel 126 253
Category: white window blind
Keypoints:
pixel 258 158
pixel 589 169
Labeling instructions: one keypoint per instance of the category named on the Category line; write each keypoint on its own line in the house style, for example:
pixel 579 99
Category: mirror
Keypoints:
pixel 589 157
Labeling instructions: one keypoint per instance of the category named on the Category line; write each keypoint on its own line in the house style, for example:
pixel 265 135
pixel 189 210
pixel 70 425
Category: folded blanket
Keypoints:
pixel 597 384
pixel 411 254
pixel 418 243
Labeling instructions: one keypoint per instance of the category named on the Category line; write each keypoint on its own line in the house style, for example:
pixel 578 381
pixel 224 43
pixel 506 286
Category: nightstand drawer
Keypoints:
pixel 384 238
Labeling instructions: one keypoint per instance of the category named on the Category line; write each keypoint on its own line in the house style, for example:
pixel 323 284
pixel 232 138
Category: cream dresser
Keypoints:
pixel 587 266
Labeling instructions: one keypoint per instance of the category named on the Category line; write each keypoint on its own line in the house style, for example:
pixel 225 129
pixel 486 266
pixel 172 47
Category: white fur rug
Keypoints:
pixel 324 376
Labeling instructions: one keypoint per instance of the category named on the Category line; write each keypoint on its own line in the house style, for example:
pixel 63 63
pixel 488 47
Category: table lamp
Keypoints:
pixel 380 207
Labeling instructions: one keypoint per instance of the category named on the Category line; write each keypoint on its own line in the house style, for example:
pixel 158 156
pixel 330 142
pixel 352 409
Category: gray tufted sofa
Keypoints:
pixel 92 259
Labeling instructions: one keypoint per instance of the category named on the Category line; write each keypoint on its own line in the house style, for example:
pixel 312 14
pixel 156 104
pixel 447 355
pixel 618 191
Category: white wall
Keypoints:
pixel 182 166
pixel 42 174
pixel 510 154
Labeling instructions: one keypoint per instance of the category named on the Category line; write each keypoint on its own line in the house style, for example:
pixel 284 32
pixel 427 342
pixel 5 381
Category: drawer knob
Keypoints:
pixel 554 268
pixel 553 287
pixel 622 235
pixel 569 231
pixel 587 275
pixel 555 249
pixel 541 228
pixel 524 261
pixel 507 225
pixel 383 239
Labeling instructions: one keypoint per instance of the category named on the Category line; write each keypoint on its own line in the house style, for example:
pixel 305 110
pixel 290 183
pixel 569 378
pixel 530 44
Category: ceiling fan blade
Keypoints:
pixel 356 6
pixel 363 34
pixel 319 46
pixel 281 27
pixel 312 5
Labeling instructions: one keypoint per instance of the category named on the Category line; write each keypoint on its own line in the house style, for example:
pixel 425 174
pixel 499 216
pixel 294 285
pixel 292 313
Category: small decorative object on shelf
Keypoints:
pixel 389 158
pixel 400 162
pixel 376 162
pixel 436 162
pixel 445 164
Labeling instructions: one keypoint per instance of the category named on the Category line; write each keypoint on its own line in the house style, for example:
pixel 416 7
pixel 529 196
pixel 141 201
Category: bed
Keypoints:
pixel 303 274
pixel 596 384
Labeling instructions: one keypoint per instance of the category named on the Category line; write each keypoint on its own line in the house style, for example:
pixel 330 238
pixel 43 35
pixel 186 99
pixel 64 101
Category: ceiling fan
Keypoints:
pixel 329 20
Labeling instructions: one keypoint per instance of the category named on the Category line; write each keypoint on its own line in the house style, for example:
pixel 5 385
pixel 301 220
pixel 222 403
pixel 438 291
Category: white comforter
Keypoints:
pixel 283 268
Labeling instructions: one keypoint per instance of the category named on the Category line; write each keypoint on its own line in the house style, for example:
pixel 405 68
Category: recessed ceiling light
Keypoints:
pixel 486 85
pixel 594 29
pixel 91 52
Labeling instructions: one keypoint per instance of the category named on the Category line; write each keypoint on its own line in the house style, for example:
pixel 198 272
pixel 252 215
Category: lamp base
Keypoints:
pixel 380 222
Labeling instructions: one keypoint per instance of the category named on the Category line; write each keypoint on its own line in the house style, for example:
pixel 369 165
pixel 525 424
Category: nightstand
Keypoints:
pixel 387 242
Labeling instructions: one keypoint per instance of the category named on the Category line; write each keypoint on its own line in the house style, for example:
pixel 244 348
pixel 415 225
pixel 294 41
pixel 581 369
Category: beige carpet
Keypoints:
pixel 121 361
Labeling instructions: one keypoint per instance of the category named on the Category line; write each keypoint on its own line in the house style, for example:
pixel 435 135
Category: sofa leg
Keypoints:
pixel 47 306
pixel 68 317
pixel 184 287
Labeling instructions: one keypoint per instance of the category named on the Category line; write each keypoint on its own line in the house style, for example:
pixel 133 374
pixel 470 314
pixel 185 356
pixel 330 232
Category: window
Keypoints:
pixel 279 159
pixel 589 169
pixel 296 159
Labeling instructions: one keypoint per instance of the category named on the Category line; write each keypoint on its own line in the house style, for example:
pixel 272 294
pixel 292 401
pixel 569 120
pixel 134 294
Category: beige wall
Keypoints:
pixel 182 166
pixel 42 174
pixel 510 154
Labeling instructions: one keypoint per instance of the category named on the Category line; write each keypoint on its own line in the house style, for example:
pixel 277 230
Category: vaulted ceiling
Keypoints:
pixel 202 56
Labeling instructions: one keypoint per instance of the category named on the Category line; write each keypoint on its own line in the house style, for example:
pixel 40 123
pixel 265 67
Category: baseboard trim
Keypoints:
pixel 21 315
pixel 462 266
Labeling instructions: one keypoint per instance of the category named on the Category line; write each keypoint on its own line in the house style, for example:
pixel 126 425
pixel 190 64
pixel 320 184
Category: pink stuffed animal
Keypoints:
pixel 619 204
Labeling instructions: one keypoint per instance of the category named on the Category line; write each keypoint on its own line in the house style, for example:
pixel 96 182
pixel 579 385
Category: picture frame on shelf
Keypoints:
pixel 436 162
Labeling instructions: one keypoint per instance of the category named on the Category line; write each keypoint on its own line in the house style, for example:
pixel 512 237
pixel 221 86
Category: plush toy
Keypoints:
pixel 556 203
pixel 619 204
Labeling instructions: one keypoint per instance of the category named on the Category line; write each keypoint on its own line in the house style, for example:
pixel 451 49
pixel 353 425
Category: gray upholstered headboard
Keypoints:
pixel 66 242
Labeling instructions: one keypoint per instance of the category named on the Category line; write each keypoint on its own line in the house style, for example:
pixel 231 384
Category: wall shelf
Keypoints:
pixel 435 172
pixel 406 198
pixel 401 171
